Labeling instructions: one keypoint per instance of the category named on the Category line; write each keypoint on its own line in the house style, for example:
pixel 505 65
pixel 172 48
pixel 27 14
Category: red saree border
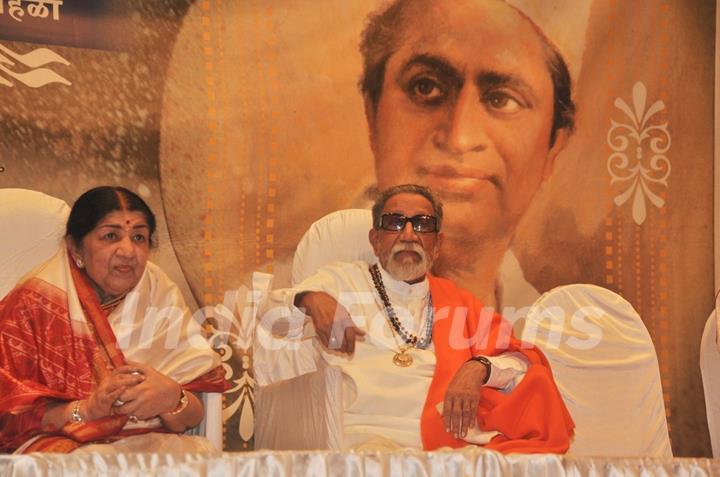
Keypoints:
pixel 96 316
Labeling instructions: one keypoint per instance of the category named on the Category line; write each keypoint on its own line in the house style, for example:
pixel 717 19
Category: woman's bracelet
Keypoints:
pixel 182 404
pixel 75 412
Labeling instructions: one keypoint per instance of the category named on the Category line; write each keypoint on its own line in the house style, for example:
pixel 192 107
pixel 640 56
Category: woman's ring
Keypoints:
pixel 118 402
pixel 132 418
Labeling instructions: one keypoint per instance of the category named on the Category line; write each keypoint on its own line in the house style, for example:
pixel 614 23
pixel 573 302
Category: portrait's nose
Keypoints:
pixel 463 129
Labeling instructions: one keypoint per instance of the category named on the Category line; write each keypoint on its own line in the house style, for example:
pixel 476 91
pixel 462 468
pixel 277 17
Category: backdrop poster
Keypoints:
pixel 242 123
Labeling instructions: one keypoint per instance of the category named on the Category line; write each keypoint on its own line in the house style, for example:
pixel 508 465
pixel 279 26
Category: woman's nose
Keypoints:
pixel 126 247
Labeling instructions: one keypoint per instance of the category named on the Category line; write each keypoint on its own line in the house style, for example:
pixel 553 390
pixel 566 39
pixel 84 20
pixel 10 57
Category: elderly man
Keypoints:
pixel 470 98
pixel 423 364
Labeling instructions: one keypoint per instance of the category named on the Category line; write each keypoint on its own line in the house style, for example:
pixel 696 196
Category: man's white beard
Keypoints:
pixel 407 268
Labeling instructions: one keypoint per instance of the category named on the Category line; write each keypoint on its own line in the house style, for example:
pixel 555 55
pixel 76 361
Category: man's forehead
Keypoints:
pixel 476 37
pixel 474 20
pixel 429 15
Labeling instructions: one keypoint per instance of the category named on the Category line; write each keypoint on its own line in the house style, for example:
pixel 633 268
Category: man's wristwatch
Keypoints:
pixel 488 366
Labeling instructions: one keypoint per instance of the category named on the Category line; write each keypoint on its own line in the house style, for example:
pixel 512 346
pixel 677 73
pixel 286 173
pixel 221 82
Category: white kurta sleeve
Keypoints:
pixel 507 370
pixel 285 344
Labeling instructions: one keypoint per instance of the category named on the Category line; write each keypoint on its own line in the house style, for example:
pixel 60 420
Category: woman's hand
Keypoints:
pixel 98 405
pixel 100 402
pixel 155 394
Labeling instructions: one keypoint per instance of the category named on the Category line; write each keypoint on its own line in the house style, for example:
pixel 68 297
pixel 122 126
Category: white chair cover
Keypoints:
pixel 340 236
pixel 306 412
pixel 300 413
pixel 32 225
pixel 606 368
pixel 710 371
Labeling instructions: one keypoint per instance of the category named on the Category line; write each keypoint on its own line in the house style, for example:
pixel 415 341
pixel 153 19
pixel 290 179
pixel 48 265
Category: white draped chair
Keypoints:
pixel 710 371
pixel 306 412
pixel 601 353
pixel 606 369
pixel 33 227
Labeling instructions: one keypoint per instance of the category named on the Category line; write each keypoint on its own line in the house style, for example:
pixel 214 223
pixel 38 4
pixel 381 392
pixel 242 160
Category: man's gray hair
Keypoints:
pixel 385 195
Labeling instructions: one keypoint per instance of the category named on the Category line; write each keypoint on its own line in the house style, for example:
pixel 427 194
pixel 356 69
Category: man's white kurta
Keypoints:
pixel 382 402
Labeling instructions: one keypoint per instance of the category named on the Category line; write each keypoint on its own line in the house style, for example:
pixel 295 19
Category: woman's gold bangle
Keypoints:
pixel 182 404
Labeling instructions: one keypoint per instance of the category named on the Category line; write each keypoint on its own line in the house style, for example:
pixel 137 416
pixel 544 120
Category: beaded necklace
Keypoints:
pixel 402 358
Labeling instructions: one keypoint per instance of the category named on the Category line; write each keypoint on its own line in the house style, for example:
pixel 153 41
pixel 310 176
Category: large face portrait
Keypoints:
pixel 466 108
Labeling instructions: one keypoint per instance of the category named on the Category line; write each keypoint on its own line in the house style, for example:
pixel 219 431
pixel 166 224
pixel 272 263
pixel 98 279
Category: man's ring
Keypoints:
pixel 118 402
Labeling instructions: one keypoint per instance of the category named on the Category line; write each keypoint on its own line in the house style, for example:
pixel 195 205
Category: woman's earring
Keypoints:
pixel 79 262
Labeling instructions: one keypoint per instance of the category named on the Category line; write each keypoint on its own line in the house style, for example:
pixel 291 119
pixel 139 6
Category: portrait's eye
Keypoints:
pixel 110 236
pixel 427 90
pixel 503 102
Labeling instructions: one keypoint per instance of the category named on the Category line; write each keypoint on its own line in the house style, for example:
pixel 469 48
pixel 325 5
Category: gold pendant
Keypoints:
pixel 403 358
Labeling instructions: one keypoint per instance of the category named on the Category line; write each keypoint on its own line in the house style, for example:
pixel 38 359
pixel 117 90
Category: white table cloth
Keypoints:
pixel 467 462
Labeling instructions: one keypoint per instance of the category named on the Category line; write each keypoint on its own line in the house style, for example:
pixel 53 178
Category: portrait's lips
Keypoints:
pixel 456 181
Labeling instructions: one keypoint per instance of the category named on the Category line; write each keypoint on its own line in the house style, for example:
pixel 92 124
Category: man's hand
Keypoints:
pixel 462 398
pixel 333 325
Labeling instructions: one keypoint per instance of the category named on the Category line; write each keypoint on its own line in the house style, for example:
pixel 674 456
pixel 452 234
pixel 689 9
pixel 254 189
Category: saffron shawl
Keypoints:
pixel 530 419
pixel 57 343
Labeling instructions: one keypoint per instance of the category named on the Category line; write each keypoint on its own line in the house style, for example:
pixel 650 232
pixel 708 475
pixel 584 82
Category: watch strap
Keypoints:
pixel 488 366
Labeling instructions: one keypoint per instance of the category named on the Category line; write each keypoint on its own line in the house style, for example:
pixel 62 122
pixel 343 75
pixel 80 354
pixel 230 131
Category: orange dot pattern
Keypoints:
pixel 212 282
pixel 660 254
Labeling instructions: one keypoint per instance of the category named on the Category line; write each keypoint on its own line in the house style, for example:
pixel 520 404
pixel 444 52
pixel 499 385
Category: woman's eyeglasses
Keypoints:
pixel 420 223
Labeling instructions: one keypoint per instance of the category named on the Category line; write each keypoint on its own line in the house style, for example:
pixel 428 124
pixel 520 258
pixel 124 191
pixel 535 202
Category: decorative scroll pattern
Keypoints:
pixel 36 77
pixel 232 335
pixel 648 167
pixel 232 341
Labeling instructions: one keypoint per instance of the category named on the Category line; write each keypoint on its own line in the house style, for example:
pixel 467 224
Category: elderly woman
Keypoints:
pixel 97 344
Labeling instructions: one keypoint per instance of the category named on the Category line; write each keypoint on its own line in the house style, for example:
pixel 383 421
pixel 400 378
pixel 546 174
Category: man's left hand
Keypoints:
pixel 462 398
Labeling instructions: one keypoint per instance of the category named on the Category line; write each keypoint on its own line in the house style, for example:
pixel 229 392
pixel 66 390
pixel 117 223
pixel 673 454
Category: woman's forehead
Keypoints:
pixel 123 218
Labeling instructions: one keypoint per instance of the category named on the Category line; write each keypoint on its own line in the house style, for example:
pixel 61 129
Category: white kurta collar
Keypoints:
pixel 407 290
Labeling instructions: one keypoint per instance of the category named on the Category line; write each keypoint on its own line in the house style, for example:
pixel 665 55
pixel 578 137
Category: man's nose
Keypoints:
pixel 407 234
pixel 463 129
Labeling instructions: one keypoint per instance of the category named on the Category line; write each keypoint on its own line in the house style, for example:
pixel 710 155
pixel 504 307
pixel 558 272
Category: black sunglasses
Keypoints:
pixel 396 222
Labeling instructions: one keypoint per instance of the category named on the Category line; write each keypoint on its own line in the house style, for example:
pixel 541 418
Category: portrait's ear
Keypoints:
pixel 561 139
pixel 370 112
